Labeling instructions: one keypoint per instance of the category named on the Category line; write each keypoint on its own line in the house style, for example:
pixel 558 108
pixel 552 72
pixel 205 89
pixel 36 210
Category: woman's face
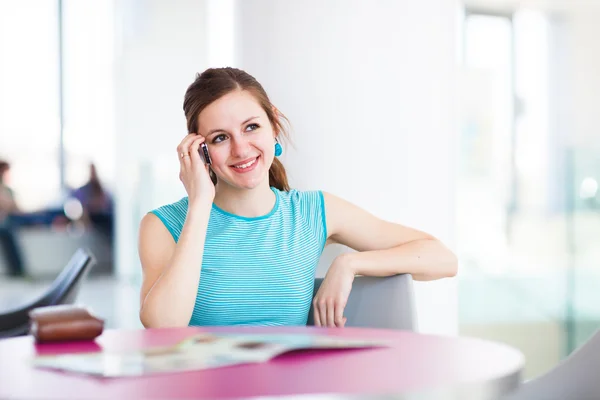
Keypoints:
pixel 240 139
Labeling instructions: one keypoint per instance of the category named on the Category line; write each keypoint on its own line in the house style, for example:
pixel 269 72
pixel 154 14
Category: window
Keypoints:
pixel 29 100
pixel 31 95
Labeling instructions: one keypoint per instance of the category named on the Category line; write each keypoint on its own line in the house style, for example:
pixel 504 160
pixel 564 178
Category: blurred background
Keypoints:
pixel 473 120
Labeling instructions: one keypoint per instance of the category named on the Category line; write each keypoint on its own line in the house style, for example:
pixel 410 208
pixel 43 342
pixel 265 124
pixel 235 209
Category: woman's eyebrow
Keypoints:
pixel 248 120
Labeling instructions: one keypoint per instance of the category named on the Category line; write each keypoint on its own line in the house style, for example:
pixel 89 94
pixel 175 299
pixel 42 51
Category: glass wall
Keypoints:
pixel 56 120
pixel 55 72
pixel 30 100
pixel 527 209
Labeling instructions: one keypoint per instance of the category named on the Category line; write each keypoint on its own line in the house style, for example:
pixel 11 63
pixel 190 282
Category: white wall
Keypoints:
pixel 368 87
pixel 161 46
pixel 584 32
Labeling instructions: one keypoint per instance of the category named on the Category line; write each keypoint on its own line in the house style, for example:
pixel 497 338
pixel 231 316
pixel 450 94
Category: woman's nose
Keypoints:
pixel 240 147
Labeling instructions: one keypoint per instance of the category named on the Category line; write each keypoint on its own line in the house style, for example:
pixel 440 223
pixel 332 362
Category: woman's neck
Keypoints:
pixel 248 203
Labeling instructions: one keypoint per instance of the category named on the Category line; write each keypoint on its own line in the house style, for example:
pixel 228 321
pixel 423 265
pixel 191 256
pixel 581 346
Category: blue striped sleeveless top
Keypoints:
pixel 257 271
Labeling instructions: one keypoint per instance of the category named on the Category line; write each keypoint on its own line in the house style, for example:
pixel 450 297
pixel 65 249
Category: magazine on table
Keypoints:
pixel 198 352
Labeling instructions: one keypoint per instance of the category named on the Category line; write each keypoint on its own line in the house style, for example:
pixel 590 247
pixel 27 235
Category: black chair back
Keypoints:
pixel 63 290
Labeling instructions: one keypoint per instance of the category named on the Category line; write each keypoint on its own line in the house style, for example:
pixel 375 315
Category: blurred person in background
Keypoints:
pixel 242 248
pixel 96 202
pixel 8 240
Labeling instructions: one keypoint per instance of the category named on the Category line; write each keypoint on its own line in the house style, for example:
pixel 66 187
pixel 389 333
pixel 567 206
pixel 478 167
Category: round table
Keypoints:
pixel 413 364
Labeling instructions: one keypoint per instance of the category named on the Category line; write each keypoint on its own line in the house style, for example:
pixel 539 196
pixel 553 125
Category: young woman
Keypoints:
pixel 242 247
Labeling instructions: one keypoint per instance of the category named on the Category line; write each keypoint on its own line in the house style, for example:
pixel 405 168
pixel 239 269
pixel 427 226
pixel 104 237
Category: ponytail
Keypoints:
pixel 278 176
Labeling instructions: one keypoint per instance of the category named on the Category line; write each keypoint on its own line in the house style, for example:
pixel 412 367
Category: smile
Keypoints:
pixel 246 165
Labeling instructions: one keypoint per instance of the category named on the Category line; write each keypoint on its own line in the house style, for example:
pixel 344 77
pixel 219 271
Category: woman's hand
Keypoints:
pixel 194 173
pixel 331 299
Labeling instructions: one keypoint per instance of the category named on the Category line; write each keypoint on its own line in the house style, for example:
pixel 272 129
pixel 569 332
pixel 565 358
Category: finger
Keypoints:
pixel 194 147
pixel 323 312
pixel 191 145
pixel 188 142
pixel 339 315
pixel 344 321
pixel 185 143
pixel 316 318
pixel 184 160
pixel 330 313
pixel 183 151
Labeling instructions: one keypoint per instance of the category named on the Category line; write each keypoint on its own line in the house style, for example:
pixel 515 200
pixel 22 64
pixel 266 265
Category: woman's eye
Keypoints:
pixel 219 138
pixel 252 127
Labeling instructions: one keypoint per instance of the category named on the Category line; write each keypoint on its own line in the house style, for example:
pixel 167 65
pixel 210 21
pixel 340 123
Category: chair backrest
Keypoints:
pixel 63 290
pixel 386 303
pixel 576 377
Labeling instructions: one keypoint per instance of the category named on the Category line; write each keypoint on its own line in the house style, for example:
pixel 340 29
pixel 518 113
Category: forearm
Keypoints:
pixel 170 302
pixel 426 259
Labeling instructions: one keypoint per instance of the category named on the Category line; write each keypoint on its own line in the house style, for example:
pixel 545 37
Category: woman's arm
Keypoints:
pixel 385 248
pixel 171 272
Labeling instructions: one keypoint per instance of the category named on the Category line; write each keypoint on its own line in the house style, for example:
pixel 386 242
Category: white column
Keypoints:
pixel 369 89
pixel 161 46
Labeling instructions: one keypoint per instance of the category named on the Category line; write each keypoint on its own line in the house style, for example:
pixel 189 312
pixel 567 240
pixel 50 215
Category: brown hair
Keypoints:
pixel 215 83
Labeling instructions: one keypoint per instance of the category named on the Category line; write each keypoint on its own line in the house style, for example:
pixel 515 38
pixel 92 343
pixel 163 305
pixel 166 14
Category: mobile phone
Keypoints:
pixel 203 150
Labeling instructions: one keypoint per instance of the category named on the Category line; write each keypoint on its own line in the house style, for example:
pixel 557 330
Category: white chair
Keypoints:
pixel 576 377
pixel 386 303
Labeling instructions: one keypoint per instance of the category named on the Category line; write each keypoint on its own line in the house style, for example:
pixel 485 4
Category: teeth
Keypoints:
pixel 245 165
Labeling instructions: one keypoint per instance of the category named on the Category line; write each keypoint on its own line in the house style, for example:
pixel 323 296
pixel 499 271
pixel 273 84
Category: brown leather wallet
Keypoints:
pixel 64 322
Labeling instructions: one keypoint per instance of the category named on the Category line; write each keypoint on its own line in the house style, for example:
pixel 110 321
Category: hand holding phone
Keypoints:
pixel 194 173
pixel 203 150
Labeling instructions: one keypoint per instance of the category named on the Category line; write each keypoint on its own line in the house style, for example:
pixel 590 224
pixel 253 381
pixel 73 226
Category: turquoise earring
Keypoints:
pixel 278 149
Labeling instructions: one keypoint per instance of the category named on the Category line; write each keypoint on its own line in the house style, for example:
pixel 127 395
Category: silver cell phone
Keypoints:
pixel 203 150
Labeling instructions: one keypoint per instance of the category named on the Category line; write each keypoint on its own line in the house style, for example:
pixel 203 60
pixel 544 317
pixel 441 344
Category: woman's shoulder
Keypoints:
pixel 299 196
pixel 307 202
pixel 178 207
pixel 309 205
pixel 172 215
